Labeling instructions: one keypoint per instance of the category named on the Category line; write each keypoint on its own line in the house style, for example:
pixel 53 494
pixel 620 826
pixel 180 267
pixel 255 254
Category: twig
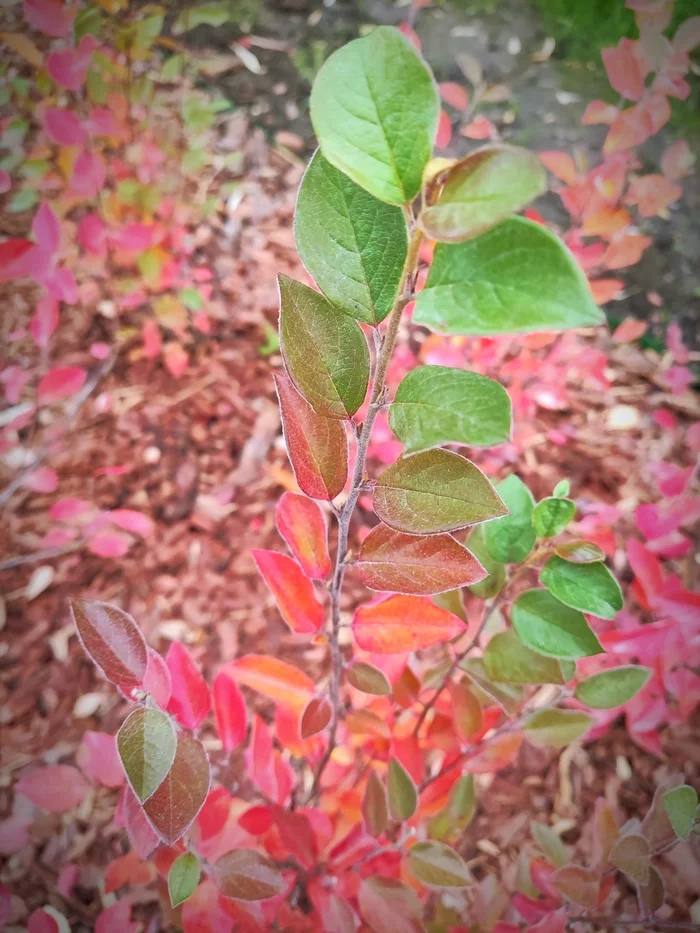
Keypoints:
pixel 36 556
pixel 377 399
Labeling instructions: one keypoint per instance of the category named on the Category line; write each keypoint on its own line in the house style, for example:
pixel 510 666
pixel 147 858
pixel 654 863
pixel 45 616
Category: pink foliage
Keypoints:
pixel 190 701
pixel 89 174
pixel 44 320
pixel 130 520
pixel 60 383
pixel 51 17
pixel 98 758
pixel 56 788
pixel 69 67
pixel 63 127
pixel 117 919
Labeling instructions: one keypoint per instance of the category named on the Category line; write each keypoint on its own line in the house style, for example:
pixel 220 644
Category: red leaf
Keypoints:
pixel 293 591
pixel 128 869
pixel 39 921
pixel 142 836
pixel 60 383
pixel 117 919
pixel 12 254
pixel 89 174
pixel 403 623
pixel 302 524
pixel 69 67
pixel 256 820
pixel 63 127
pixel 46 228
pixel 92 236
pixel 98 758
pixel 70 509
pixel 113 640
pixel 444 131
pixel 415 564
pixel 317 446
pixel 172 808
pixel 454 95
pixel 495 754
pixel 411 35
pixel 626 68
pixel 647 570
pixel 130 520
pixel 560 164
pixel 629 330
pixel 598 111
pixel 230 711
pixel 480 128
pixel 56 788
pixel 176 359
pixel 205 912
pixel 189 702
pixel 281 682
pixel 157 681
pixel 316 716
pixel 44 321
pixel 152 340
pixel 51 17
pixel 110 544
pixel 605 290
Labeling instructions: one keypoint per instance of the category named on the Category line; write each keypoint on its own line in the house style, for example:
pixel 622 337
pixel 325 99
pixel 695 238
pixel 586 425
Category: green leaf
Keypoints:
pixel 562 489
pixel 192 299
pixel 88 22
pixel 509 696
pixel 438 866
pixel 551 516
pixel 374 806
pixel 554 728
pixel 493 584
pixel 549 627
pixel 588 587
pixel 553 848
pixel 23 200
pixel 146 744
pixel 610 689
pixel 183 878
pixel 516 278
pixel 680 805
pixel 482 190
pixel 369 679
pixel 325 351
pixel 374 109
pixel 580 552
pixel 632 855
pixel 353 245
pixel 462 799
pixel 507 659
pixel 172 68
pixel 511 538
pixel 403 796
pixel 437 405
pixel 434 491
pixel 209 14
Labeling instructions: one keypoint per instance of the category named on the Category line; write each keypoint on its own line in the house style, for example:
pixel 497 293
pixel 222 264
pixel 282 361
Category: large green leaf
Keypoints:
pixel 482 190
pixel 511 538
pixel 353 245
pixel 325 351
pixel 507 659
pixel 588 587
pixel 437 405
pixel 516 278
pixel 549 627
pixel 434 491
pixel 610 689
pixel 554 728
pixel 374 109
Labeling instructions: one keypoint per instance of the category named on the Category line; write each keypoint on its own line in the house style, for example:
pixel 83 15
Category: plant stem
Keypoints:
pixel 377 399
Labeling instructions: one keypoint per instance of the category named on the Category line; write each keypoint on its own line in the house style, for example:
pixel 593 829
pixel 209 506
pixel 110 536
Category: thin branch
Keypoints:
pixel 377 399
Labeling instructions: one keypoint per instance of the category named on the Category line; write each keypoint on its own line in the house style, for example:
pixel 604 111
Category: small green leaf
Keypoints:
pixel 23 200
pixel 562 489
pixel 632 855
pixel 403 796
pixel 555 728
pixel 209 14
pixel 462 799
pixel 438 866
pixel 549 627
pixel 172 69
pixel 553 848
pixel 374 806
pixel 192 299
pixel 183 878
pixel 435 491
pixel 325 351
pixel 146 744
pixel 551 516
pixel 369 679
pixel 493 584
pixel 507 659
pixel 437 405
pixel 483 189
pixel 516 278
pixel 588 587
pixel 580 552
pixel 374 109
pixel 680 805
pixel 509 696
pixel 610 689
pixel 511 538
pixel 353 245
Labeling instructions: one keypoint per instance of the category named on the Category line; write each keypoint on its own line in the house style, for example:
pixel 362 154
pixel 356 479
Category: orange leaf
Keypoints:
pixel 495 755
pixel 605 290
pixel 302 524
pixel 630 329
pixel 652 194
pixel 454 95
pixel 626 250
pixel 444 131
pixel 275 679
pixel 403 623
pixel 606 222
pixel 480 128
pixel 560 164
pixel 598 111
pixel 293 591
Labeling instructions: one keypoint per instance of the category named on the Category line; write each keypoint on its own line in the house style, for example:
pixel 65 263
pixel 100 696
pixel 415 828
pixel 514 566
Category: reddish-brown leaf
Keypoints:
pixel 375 811
pixel 281 682
pixel 400 624
pixel 302 524
pixel 189 701
pixel 466 710
pixel 578 884
pixel 173 807
pixel 316 716
pixel 248 875
pixel 113 641
pixel 293 591
pixel 417 565
pixel 230 711
pixel 317 446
